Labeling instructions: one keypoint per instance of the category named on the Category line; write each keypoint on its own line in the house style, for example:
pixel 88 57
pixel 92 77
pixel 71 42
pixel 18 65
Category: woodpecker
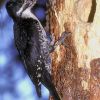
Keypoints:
pixel 32 44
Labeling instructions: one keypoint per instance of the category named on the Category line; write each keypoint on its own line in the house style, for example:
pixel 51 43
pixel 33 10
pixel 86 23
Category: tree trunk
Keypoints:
pixel 76 69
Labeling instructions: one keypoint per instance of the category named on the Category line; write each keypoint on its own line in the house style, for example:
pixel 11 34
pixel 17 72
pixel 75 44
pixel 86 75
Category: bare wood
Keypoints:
pixel 75 69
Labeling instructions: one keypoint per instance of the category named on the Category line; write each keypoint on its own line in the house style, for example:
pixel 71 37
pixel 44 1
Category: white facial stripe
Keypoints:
pixel 26 13
pixel 21 9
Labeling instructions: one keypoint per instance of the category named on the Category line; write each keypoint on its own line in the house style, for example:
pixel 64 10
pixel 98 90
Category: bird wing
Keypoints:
pixel 27 43
pixel 20 36
pixel 44 46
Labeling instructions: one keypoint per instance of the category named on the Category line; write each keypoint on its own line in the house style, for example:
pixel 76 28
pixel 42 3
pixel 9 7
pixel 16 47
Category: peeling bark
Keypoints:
pixel 75 69
pixel 95 80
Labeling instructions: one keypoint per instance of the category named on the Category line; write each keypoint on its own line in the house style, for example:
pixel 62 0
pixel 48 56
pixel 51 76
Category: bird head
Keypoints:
pixel 13 6
pixel 27 4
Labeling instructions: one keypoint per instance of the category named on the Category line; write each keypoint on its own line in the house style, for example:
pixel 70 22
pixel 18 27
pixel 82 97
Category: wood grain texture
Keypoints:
pixel 75 69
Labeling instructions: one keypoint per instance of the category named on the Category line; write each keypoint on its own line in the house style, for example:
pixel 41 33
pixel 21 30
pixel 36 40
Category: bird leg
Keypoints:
pixel 60 41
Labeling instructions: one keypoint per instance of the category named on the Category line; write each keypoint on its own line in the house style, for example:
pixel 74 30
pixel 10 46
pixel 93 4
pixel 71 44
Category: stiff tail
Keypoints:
pixel 38 90
pixel 54 93
pixel 46 81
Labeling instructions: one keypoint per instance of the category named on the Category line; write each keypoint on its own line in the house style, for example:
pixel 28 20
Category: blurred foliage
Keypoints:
pixel 1 2
pixel 14 81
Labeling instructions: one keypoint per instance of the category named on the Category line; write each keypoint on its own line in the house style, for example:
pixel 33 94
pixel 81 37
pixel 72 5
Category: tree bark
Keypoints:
pixel 76 69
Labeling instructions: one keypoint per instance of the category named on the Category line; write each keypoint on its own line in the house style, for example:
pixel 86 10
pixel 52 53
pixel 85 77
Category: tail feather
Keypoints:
pixel 46 81
pixel 54 93
pixel 38 90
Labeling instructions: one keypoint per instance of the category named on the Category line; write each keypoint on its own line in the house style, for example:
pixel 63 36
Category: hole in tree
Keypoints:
pixel 92 12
